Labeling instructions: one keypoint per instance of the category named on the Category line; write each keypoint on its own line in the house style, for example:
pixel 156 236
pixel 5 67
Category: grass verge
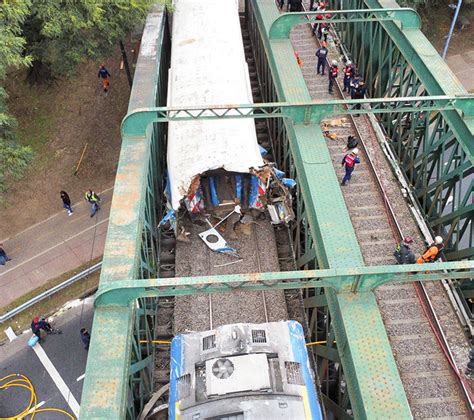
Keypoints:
pixel 49 305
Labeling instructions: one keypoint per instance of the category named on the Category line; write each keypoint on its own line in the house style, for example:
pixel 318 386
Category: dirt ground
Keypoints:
pixel 437 21
pixel 58 121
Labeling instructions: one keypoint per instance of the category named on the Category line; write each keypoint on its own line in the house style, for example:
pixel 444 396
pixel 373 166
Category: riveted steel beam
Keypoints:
pixel 433 73
pixel 408 19
pixel 137 121
pixel 341 280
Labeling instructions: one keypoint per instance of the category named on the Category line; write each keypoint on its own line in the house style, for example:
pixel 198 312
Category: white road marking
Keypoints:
pixel 80 378
pixel 56 377
pixel 54 246
pixel 10 334
pixel 36 407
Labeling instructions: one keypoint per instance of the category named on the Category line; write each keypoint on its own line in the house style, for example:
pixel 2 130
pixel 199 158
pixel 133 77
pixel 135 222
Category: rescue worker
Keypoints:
pixel 38 324
pixel 319 17
pixel 433 252
pixel 92 198
pixel 333 70
pixel 349 73
pixel 349 161
pixel 359 93
pixel 323 28
pixel 104 74
pixel 354 84
pixel 403 253
pixel 322 54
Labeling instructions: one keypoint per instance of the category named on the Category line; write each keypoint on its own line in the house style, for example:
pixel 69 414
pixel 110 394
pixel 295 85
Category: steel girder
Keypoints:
pixel 300 113
pixel 120 368
pixel 323 215
pixel 435 149
pixel 408 18
pixel 341 280
pixel 116 377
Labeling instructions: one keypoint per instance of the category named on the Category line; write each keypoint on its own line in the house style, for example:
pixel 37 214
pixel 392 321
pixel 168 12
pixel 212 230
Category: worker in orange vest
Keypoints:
pixel 433 252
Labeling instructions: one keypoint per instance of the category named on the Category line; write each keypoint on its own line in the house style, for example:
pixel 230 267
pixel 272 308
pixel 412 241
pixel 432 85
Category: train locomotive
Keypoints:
pixel 243 371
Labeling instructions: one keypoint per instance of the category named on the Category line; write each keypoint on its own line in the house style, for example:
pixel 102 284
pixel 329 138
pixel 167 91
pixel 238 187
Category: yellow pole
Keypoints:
pixel 318 342
pixel 80 160
pixel 155 341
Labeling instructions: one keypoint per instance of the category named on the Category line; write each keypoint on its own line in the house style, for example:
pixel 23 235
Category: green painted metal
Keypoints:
pixel 434 150
pixel 326 214
pixel 341 280
pixel 281 27
pixel 111 388
pixel 118 378
pixel 137 121
pixel 105 391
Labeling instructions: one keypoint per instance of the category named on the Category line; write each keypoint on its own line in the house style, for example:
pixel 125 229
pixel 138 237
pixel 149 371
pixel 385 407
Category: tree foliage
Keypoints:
pixel 13 157
pixel 51 37
pixel 62 33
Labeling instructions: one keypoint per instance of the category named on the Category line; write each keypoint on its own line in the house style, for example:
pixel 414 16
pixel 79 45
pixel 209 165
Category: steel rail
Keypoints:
pixel 420 288
pixel 33 301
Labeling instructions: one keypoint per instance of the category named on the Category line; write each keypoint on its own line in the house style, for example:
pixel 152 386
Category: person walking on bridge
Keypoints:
pixel 349 162
pixel 322 54
pixel 432 252
pixel 92 198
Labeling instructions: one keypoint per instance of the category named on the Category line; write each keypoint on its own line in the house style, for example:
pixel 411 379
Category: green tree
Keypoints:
pixel 13 157
pixel 62 33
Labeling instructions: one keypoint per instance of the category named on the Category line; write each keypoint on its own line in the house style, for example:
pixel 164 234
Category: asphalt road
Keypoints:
pixel 66 353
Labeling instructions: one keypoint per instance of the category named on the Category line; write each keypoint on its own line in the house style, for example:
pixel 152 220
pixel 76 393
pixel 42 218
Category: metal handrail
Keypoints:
pixel 49 292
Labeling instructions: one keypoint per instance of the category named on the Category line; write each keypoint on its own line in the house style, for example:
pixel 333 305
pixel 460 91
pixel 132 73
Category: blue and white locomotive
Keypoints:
pixel 243 371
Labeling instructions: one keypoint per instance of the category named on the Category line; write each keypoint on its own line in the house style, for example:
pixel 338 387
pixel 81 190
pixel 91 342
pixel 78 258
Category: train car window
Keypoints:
pixel 294 374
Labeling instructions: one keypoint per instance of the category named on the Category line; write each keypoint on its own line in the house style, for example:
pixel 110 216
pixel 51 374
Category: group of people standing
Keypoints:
pixel 352 82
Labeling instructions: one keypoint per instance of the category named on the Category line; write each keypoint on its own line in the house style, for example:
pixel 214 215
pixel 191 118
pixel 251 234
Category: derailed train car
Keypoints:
pixel 243 371
pixel 214 165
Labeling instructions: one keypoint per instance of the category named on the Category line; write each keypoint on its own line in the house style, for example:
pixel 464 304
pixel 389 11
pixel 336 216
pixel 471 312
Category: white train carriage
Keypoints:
pixel 208 67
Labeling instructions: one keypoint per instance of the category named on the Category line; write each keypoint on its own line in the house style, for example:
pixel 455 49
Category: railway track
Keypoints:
pixel 262 247
pixel 379 215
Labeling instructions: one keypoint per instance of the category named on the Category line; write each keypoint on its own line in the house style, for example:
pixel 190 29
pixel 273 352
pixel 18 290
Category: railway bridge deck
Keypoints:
pixel 331 268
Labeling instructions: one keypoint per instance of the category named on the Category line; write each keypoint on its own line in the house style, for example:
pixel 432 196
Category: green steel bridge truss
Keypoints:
pixel 337 288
